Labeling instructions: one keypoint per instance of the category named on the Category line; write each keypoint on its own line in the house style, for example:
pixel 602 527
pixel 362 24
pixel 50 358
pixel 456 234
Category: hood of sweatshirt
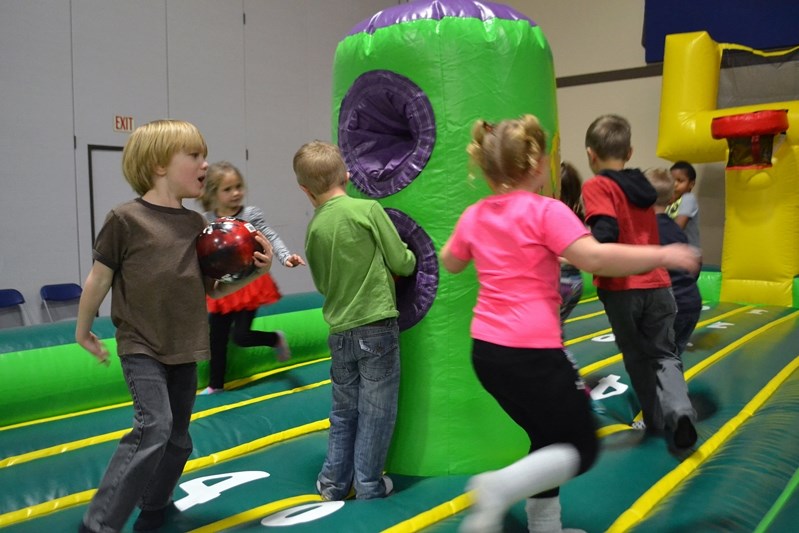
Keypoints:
pixel 634 185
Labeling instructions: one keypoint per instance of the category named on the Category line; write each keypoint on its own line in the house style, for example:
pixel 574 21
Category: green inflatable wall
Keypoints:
pixel 469 61
pixel 44 373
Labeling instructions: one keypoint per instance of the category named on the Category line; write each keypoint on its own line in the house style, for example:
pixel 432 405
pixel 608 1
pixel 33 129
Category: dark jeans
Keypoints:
pixel 220 325
pixel 149 460
pixel 542 391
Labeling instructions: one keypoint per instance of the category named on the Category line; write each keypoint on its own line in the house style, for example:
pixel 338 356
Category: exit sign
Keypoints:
pixel 124 124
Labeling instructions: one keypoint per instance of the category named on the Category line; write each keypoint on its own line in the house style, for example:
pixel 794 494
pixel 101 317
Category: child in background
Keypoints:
pixel 353 249
pixel 641 308
pixel 145 254
pixel 683 284
pixel 686 214
pixel 571 279
pixel 222 197
pixel 517 352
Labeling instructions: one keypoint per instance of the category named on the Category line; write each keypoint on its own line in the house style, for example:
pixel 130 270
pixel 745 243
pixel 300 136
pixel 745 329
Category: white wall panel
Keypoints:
pixel 289 49
pixel 38 220
pixel 120 68
pixel 205 47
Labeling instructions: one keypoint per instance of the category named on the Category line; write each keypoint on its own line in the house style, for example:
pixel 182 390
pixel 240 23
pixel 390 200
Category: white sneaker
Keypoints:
pixel 282 350
pixel 209 390
pixel 487 513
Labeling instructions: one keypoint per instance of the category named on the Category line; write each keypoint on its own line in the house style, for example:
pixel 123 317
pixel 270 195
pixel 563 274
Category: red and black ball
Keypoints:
pixel 225 249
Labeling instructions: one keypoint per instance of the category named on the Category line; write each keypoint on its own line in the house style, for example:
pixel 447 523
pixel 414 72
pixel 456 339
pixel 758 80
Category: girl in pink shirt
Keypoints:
pixel 515 237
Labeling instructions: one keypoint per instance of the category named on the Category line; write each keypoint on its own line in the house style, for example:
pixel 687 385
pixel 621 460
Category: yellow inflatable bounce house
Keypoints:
pixel 727 102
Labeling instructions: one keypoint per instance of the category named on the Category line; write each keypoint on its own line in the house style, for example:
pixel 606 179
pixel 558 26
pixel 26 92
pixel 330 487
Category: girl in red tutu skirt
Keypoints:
pixel 222 197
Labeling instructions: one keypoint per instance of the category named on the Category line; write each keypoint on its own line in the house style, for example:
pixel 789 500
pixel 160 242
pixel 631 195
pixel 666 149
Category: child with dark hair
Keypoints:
pixel 686 210
pixel 571 279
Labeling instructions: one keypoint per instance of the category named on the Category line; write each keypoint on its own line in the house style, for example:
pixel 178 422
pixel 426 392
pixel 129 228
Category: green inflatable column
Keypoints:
pixel 408 84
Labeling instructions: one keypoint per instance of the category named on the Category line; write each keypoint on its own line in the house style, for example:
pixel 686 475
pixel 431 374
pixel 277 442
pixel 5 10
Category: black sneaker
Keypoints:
pixel 684 433
pixel 153 519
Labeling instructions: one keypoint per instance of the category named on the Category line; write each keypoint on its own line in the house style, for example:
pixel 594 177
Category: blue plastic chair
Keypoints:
pixel 59 292
pixel 13 298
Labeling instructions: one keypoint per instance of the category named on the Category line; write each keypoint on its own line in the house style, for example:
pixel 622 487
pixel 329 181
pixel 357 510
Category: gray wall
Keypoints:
pixel 68 68
pixel 591 41
pixel 261 88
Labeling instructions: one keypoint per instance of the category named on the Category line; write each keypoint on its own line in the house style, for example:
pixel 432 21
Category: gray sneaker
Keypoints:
pixel 319 490
pixel 350 495
pixel 282 350
pixel 389 485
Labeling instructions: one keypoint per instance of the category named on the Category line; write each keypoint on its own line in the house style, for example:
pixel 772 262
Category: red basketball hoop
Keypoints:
pixel 750 136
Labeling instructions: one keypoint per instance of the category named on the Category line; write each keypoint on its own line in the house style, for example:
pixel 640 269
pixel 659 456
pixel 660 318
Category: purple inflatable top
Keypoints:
pixel 436 10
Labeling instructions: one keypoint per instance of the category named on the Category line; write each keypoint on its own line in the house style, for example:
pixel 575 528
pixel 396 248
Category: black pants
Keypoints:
pixel 684 326
pixel 643 325
pixel 220 326
pixel 542 391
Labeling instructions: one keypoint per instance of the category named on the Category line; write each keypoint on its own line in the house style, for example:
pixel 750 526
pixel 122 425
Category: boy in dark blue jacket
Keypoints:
pixel 683 284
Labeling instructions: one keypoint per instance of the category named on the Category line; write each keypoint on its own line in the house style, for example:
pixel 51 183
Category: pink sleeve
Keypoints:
pixel 563 227
pixel 459 245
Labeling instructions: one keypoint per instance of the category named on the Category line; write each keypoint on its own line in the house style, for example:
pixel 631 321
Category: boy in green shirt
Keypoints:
pixel 353 251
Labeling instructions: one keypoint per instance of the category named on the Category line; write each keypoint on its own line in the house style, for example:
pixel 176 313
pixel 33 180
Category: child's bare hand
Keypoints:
pixel 263 260
pixel 294 260
pixel 94 346
pixel 683 257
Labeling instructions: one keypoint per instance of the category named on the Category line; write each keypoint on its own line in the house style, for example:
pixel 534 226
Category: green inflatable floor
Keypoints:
pixel 259 446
